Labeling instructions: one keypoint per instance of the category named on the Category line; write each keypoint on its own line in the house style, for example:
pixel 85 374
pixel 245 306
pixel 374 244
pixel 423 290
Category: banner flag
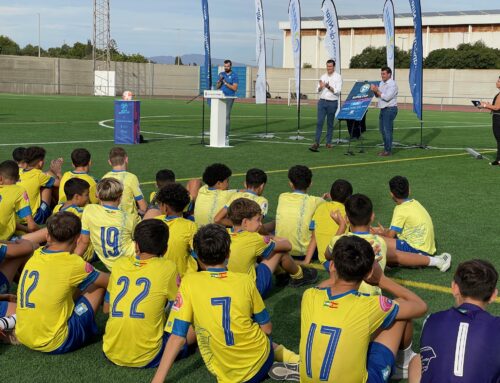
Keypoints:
pixel 332 38
pixel 416 60
pixel 295 27
pixel 388 17
pixel 260 83
pixel 208 60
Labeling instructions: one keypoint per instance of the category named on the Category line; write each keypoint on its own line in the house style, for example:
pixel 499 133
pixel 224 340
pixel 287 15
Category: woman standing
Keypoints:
pixel 495 111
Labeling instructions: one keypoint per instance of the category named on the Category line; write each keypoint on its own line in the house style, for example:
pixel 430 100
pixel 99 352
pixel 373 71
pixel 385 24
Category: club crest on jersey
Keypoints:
pixel 220 275
pixel 88 268
pixel 330 304
pixel 385 303
pixel 178 302
pixel 25 197
pixel 267 239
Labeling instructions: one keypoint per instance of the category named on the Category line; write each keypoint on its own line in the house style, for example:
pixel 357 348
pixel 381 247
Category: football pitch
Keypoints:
pixel 460 192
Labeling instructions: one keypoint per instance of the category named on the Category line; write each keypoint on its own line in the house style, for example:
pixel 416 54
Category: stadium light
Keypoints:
pixel 39 55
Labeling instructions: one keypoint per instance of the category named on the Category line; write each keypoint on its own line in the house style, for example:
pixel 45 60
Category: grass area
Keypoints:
pixel 459 192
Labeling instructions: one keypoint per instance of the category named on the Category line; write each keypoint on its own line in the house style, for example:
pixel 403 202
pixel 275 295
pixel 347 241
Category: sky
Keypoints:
pixel 175 27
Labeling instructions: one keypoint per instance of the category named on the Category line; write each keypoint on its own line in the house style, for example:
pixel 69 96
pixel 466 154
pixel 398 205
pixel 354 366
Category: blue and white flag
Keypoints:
pixel 295 27
pixel 416 59
pixel 388 16
pixel 260 82
pixel 208 60
pixel 332 38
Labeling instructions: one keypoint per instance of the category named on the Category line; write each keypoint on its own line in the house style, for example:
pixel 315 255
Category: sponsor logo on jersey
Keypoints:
pixel 178 302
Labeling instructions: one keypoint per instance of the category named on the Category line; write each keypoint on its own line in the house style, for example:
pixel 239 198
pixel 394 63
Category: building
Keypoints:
pixel 440 30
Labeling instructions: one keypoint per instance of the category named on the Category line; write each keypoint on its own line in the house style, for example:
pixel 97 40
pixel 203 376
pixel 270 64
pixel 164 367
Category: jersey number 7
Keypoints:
pixel 225 302
pixel 326 366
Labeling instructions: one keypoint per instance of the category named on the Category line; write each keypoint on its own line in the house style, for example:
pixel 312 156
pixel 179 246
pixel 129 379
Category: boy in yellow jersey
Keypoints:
pixel 411 231
pixel 138 291
pixel 76 191
pixel 37 184
pixel 106 226
pixel 163 178
pixel 14 202
pixel 80 158
pixel 255 182
pixel 347 336
pixel 172 199
pixel 214 195
pixel 48 319
pixel 132 195
pixel 322 226
pixel 248 246
pixel 295 211
pixel 13 255
pixel 18 156
pixel 230 319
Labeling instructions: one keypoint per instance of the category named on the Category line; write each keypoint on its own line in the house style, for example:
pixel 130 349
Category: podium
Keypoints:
pixel 217 118
pixel 127 122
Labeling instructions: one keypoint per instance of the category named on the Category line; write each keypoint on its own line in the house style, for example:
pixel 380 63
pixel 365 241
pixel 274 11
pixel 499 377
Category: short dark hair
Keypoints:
pixel 331 61
pixel 476 279
pixel 18 153
pixel 359 209
pixel 340 190
pixel 80 157
pixel 400 187
pixel 255 177
pixel 151 236
pixel 75 186
pixel 353 258
pixel 228 62
pixel 174 195
pixel 242 208
pixel 117 156
pixel 212 244
pixel 64 226
pixel 164 177
pixel 300 176
pixel 34 154
pixel 10 170
pixel 386 69
pixel 216 173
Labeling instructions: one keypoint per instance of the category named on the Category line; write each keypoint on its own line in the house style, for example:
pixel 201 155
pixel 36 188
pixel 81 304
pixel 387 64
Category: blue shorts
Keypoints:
pixel 42 214
pixel 402 245
pixel 261 375
pixel 4 284
pixel 380 363
pixel 4 305
pixel 81 327
pixel 184 353
pixel 264 279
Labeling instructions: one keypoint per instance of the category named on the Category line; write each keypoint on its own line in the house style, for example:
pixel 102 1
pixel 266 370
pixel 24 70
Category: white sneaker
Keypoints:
pixel 444 262
pixel 285 371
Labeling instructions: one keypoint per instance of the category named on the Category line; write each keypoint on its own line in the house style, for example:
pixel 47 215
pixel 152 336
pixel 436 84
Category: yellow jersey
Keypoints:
pixel 414 225
pixel 111 231
pixel 45 297
pixel 293 218
pixel 335 334
pixel 131 189
pixel 225 309
pixel 32 180
pixel 324 226
pixel 380 256
pixel 138 292
pixel 208 204
pixel 83 176
pixel 152 197
pixel 249 194
pixel 246 247
pixel 181 232
pixel 14 201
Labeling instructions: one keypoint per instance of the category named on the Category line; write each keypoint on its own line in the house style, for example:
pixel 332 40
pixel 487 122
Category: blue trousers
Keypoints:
pixel 386 125
pixel 326 109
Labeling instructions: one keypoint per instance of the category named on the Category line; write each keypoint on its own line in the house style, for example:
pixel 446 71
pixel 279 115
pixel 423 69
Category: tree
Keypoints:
pixel 465 56
pixel 372 57
pixel 8 46
pixel 178 60
pixel 306 66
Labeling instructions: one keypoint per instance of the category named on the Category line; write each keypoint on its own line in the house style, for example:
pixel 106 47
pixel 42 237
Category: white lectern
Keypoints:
pixel 217 118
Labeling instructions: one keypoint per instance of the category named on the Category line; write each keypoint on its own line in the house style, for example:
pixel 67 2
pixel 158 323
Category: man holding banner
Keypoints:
pixel 330 86
pixel 228 83
pixel 387 94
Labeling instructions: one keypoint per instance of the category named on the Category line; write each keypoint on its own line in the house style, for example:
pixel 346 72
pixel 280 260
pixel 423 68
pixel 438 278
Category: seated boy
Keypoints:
pixel 255 182
pixel 14 202
pixel 213 195
pixel 347 336
pixel 322 226
pixel 411 230
pixel 80 158
pixel 132 195
pixel 231 321
pixel 248 246
pixel 18 156
pixel 76 195
pixel 138 291
pixel 461 344
pixel 163 178
pixel 48 319
pixel 295 211
pixel 173 199
pixel 37 184
pixel 106 226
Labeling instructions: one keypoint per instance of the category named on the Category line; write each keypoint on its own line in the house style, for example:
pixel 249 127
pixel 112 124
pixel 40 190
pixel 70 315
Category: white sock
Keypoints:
pixel 434 262
pixel 404 357
pixel 8 323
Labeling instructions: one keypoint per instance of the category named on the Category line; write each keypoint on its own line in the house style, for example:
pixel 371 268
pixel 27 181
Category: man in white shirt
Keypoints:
pixel 330 86
pixel 387 94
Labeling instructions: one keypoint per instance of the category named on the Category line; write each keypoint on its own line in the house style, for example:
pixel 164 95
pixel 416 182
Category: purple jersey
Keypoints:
pixel 461 345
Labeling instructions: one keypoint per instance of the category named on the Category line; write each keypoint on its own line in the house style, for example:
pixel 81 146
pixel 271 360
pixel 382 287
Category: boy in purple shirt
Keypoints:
pixel 462 344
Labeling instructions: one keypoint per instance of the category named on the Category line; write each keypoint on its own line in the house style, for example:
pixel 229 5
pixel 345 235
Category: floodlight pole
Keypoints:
pixel 39 53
